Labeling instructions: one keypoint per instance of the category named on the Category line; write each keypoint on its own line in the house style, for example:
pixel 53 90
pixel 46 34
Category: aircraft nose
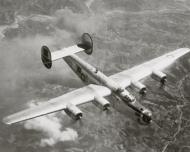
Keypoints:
pixel 147 117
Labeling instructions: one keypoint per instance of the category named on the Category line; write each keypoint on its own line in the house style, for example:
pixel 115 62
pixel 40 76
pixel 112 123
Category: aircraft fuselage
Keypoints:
pixel 91 75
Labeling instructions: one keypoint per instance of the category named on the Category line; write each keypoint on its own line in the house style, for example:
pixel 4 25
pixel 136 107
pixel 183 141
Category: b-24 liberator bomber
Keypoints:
pixel 98 85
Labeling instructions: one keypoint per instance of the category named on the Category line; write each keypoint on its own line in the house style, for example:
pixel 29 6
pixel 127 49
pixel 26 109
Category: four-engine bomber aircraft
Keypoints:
pixel 98 85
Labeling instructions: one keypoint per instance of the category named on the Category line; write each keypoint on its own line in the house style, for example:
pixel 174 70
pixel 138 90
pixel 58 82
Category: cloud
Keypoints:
pixel 79 23
pixel 89 3
pixel 51 127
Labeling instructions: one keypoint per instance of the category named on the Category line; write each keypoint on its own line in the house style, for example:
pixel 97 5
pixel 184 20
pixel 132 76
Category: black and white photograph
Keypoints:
pixel 94 76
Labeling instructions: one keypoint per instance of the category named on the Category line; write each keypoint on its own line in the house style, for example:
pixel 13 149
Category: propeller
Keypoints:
pixel 107 111
pixel 78 122
pixel 163 84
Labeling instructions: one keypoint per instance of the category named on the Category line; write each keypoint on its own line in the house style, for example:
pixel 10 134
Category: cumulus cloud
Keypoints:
pixel 51 127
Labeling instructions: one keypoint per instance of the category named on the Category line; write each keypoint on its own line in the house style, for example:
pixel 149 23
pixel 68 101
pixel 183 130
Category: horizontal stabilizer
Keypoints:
pixel 48 57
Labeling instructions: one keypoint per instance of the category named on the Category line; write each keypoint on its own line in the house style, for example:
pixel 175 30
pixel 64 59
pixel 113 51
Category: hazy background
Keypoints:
pixel 125 33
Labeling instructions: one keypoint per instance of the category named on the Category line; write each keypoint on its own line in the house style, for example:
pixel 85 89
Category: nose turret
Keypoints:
pixel 129 99
pixel 147 116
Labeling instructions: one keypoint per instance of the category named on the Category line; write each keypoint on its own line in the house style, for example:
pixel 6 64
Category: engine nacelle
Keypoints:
pixel 159 76
pixel 141 88
pixel 74 112
pixel 102 103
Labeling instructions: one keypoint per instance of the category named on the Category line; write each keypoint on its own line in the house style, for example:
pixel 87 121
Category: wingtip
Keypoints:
pixel 6 121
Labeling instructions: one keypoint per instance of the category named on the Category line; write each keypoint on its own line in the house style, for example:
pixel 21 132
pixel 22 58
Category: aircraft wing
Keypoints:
pixel 76 97
pixel 141 71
